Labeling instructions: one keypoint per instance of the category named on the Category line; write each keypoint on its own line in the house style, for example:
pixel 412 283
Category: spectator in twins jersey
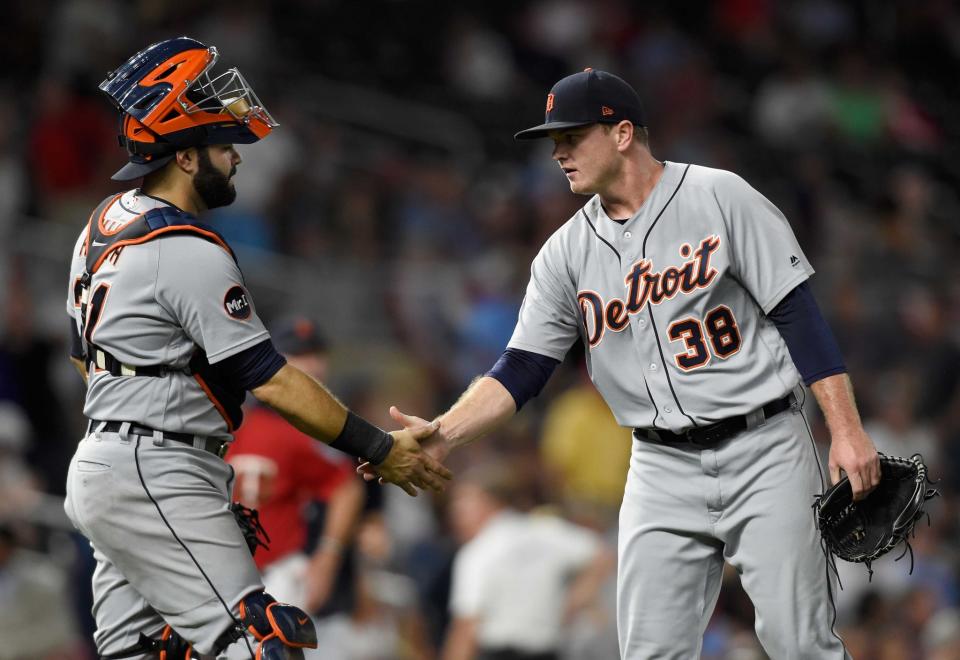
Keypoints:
pixel 282 476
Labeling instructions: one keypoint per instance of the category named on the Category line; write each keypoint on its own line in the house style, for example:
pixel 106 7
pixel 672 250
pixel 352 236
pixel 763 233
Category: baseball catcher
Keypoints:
pixel 168 339
pixel 866 530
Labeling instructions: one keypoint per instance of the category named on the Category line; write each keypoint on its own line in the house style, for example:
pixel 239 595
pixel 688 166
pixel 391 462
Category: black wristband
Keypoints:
pixel 362 439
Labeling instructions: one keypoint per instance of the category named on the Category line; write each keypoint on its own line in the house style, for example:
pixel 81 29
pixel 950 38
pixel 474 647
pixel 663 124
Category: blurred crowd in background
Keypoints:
pixel 394 208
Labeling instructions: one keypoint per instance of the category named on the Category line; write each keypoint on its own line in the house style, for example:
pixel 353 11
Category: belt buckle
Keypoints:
pixel 702 442
pixel 222 449
pixel 706 438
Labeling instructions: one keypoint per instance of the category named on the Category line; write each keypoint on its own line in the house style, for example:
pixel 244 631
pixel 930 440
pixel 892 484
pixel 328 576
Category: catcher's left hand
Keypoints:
pixel 862 531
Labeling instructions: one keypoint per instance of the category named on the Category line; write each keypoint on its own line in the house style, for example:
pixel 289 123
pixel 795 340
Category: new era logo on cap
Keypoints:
pixel 549 102
pixel 606 111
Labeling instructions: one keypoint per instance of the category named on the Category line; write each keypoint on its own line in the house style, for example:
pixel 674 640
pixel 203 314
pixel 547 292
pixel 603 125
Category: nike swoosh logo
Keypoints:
pixel 98 244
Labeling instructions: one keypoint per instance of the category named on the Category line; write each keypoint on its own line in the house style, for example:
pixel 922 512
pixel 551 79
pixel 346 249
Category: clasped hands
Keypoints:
pixel 415 461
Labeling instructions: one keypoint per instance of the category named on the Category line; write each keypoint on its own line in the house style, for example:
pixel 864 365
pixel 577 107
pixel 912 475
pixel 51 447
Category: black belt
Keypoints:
pixel 105 360
pixel 212 445
pixel 705 437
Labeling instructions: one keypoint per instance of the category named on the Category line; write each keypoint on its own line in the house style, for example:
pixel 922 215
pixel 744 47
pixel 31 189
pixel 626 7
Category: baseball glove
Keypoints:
pixel 249 522
pixel 865 530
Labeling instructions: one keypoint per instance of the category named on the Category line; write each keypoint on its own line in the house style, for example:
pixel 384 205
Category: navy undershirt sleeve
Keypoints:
pixel 252 366
pixel 76 343
pixel 811 342
pixel 523 373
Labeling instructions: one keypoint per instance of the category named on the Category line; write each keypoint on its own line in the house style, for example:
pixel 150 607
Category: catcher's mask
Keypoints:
pixel 169 98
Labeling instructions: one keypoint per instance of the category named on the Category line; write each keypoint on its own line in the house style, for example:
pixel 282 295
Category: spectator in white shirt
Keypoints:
pixel 518 577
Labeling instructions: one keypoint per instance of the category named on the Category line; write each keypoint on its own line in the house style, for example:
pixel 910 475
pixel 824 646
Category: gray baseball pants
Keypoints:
pixel 168 549
pixel 747 501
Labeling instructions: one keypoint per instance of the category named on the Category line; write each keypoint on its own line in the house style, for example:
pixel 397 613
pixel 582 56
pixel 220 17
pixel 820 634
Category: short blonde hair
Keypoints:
pixel 640 133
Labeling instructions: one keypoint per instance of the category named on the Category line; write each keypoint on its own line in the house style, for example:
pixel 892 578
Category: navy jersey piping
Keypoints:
pixel 598 234
pixel 656 331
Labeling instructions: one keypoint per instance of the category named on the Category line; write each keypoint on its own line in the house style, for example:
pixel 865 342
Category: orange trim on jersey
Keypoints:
pixel 216 403
pixel 157 232
pixel 76 293
pixel 89 329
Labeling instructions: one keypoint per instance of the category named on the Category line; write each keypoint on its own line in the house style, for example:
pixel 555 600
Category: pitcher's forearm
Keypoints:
pixel 834 395
pixel 484 407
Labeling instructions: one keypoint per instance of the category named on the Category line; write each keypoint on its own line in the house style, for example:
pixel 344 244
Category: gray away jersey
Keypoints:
pixel 671 305
pixel 163 299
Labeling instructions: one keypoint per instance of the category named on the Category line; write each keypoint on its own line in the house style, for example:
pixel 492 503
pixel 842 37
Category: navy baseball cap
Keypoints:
pixel 141 165
pixel 588 97
pixel 298 336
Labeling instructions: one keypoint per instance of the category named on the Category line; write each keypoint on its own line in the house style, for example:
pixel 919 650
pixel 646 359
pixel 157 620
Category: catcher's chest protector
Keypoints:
pixel 106 238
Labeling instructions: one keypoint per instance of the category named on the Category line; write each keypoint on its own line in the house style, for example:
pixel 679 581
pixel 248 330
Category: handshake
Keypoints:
pixel 416 458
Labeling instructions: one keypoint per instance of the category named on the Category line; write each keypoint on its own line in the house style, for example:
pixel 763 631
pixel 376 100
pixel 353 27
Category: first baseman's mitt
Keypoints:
pixel 865 530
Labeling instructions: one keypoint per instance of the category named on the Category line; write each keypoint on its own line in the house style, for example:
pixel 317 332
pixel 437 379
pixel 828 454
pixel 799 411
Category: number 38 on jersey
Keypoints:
pixel 718 328
pixel 715 335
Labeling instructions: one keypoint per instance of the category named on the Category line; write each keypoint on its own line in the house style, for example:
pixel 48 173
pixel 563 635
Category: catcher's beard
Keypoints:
pixel 213 186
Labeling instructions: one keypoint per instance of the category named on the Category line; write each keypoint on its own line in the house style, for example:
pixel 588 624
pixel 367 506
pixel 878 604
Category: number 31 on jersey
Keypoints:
pixel 718 328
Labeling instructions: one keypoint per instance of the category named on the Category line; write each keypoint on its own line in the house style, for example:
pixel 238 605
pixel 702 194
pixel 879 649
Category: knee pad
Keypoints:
pixel 281 629
pixel 173 646
pixel 170 646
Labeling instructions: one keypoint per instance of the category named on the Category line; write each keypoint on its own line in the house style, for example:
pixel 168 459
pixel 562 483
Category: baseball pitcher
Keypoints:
pixel 689 291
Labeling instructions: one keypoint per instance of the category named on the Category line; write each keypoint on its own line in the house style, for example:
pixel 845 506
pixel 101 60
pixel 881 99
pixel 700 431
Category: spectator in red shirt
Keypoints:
pixel 280 472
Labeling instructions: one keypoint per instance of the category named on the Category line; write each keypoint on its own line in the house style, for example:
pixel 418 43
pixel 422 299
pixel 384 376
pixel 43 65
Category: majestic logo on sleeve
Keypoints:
pixel 647 286
pixel 236 303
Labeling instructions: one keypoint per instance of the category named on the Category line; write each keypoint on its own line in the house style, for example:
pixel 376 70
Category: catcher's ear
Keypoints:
pixel 187 160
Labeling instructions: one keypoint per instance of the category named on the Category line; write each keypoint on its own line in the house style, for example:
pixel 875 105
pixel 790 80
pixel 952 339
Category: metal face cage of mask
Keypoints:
pixel 224 92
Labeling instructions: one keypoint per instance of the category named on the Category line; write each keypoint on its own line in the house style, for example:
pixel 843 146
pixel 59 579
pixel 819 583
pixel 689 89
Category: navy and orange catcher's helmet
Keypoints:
pixel 170 99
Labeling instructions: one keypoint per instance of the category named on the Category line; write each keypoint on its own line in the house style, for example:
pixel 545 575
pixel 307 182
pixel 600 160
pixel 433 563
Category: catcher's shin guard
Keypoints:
pixel 281 629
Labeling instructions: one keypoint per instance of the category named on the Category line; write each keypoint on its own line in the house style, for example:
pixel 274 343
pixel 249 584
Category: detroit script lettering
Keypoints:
pixel 645 285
